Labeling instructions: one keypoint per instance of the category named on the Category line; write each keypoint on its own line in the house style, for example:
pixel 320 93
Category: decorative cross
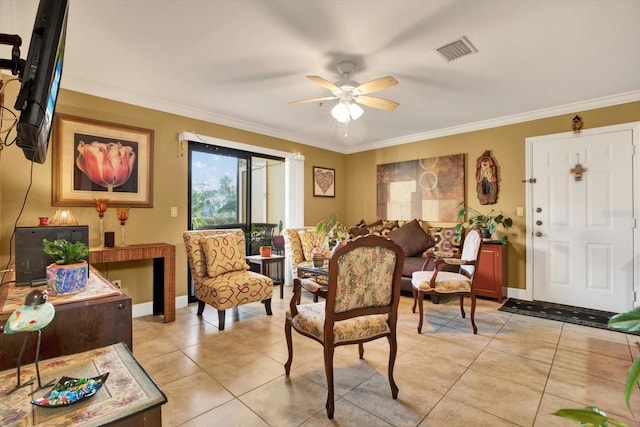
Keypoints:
pixel 577 170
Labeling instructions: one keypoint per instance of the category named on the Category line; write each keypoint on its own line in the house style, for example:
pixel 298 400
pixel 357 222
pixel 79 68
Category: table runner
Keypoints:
pixel 12 296
pixel 127 391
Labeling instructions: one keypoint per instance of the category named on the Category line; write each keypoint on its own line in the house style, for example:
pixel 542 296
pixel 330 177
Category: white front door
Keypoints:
pixel 581 228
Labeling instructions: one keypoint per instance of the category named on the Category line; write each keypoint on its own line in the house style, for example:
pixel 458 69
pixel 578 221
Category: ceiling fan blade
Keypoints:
pixel 304 101
pixel 376 85
pixel 323 82
pixel 381 103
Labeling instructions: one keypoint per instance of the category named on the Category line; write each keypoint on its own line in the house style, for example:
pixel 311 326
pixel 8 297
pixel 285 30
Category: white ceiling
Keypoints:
pixel 239 62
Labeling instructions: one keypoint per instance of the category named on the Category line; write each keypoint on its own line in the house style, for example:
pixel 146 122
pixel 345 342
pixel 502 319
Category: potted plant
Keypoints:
pixel 278 239
pixel 69 271
pixel 332 230
pixel 259 237
pixel 486 222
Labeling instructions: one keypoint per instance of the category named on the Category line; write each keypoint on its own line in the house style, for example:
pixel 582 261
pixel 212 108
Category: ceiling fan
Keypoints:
pixel 349 93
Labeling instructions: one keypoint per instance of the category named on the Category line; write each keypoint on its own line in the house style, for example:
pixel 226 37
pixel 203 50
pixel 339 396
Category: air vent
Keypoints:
pixel 457 49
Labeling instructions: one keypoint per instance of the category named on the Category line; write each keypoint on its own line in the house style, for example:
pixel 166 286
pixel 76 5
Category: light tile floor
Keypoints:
pixel 515 372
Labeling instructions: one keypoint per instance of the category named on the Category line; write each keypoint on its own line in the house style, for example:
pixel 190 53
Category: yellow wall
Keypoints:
pixel 169 184
pixel 507 146
pixel 355 178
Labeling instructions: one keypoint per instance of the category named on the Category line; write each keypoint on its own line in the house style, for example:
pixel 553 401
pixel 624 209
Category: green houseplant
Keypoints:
pixel 592 415
pixel 487 222
pixel 260 238
pixel 69 271
pixel 332 229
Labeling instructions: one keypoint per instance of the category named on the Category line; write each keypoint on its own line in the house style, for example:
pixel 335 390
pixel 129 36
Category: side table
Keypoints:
pixel 266 263
pixel 164 271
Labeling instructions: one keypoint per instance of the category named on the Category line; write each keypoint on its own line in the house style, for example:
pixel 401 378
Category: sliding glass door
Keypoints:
pixel 231 188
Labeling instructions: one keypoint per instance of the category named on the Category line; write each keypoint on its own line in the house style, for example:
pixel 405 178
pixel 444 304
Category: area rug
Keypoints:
pixel 563 313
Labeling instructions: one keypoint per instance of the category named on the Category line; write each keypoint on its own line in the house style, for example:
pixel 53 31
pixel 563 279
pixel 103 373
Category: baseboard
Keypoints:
pixel 517 294
pixel 146 308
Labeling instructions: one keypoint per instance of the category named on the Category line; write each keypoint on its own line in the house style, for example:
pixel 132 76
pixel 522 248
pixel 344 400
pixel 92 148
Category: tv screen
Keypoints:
pixel 40 79
pixel 31 261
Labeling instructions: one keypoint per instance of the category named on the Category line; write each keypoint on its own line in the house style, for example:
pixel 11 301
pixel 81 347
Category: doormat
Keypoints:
pixel 563 313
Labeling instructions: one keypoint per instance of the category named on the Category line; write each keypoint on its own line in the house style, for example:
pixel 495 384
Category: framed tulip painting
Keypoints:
pixel 94 159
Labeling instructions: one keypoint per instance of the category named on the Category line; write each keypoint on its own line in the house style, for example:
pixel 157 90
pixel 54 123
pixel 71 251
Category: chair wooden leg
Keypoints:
pixel 420 310
pixel 462 306
pixel 328 367
pixel 287 334
pixel 200 307
pixel 393 350
pixel 415 299
pixel 361 350
pixel 221 320
pixel 473 314
pixel 267 306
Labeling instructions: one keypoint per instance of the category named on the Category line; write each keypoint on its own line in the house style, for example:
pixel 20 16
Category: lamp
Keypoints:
pixel 345 111
pixel 63 217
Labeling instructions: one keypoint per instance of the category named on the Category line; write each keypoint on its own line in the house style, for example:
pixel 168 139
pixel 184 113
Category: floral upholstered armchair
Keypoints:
pixel 220 273
pixel 361 304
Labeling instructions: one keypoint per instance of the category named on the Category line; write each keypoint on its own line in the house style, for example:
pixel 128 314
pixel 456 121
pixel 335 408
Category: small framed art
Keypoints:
pixel 324 182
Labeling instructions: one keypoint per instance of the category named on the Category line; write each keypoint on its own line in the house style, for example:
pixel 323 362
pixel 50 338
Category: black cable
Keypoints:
pixel 15 225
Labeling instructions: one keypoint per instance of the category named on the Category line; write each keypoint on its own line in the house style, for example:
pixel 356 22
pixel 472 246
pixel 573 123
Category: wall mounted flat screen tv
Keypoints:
pixel 40 79
pixel 31 261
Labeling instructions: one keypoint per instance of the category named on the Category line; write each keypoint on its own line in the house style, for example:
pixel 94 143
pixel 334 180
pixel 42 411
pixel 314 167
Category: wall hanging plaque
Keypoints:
pixel 486 179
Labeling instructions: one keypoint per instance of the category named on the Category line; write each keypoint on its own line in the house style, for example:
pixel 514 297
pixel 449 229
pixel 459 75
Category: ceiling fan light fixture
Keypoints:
pixel 346 111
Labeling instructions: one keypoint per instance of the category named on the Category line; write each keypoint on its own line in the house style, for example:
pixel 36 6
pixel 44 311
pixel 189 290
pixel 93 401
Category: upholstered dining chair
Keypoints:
pixel 437 282
pixel 220 273
pixel 361 304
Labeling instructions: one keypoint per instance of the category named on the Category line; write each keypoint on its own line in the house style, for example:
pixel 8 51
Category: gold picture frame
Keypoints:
pixel 81 172
pixel 324 182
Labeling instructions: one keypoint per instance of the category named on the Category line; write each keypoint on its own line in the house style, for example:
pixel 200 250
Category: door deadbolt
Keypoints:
pixel 538 222
pixel 538 233
pixel 538 210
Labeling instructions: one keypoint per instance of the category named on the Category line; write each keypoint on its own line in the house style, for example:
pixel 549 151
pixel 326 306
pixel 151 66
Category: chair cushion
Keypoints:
pixel 223 255
pixel 233 289
pixel 310 320
pixel 446 282
pixel 412 238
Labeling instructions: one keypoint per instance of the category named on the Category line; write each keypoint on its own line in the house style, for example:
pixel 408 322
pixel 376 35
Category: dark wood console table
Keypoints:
pixel 77 326
pixel 164 271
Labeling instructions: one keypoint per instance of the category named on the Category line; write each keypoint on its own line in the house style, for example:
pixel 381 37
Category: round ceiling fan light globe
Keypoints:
pixel 340 112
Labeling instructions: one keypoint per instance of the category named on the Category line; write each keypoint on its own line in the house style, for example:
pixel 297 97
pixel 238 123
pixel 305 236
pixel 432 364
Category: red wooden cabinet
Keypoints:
pixel 492 272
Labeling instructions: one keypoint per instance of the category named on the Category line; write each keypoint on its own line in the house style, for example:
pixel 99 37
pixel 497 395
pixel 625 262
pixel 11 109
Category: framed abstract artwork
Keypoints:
pixel 428 189
pixel 94 159
pixel 324 182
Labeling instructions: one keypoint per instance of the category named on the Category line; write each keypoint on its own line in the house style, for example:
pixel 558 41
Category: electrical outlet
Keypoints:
pixel 117 282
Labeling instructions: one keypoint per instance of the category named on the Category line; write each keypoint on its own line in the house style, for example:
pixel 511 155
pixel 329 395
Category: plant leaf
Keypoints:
pixel 590 416
pixel 632 381
pixel 626 322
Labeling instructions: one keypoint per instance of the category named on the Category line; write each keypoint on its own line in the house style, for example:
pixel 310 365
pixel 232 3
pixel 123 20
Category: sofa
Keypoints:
pixel 414 237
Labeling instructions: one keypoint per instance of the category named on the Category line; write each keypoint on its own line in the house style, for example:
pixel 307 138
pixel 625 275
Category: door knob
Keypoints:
pixel 538 233
pixel 538 210
pixel 538 222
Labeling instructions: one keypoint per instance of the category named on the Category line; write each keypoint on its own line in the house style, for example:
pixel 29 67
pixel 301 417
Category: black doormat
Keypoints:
pixel 563 313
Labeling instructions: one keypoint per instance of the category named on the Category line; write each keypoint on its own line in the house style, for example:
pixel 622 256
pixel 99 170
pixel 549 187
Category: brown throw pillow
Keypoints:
pixel 412 238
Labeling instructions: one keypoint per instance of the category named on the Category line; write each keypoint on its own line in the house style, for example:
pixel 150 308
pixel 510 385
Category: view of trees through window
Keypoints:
pixel 215 189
